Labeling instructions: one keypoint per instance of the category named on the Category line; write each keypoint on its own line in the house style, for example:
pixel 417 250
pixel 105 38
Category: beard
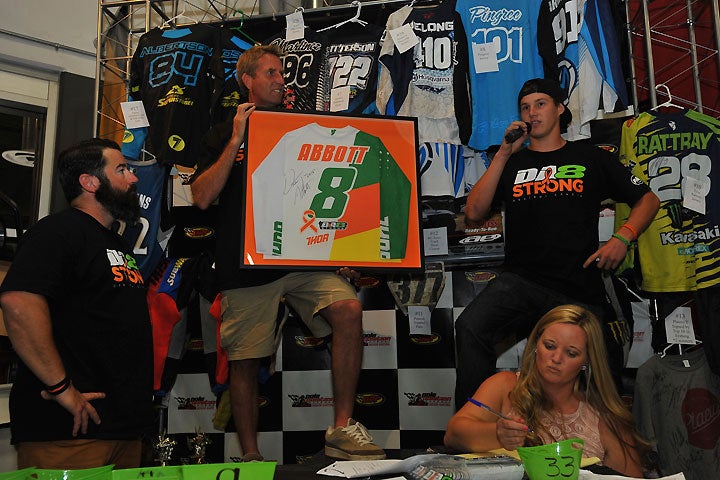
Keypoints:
pixel 123 206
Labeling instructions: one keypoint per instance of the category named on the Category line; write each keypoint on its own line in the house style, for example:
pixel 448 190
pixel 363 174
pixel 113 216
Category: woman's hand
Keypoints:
pixel 511 433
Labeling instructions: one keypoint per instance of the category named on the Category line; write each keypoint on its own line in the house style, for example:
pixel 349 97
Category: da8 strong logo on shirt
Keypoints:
pixel 124 268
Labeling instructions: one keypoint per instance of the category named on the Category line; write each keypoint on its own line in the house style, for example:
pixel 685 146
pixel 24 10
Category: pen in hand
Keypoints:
pixel 492 410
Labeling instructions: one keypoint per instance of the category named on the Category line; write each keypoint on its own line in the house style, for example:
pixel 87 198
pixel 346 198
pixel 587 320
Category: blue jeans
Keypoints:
pixel 510 304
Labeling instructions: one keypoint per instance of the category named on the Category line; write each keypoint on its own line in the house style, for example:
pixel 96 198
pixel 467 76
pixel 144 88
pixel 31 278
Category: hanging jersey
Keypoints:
pixel 580 48
pixel 419 81
pixel 302 62
pixel 509 32
pixel 226 93
pixel 357 209
pixel 351 62
pixel 133 141
pixel 675 404
pixel 442 169
pixel 677 155
pixel 142 236
pixel 476 164
pixel 169 72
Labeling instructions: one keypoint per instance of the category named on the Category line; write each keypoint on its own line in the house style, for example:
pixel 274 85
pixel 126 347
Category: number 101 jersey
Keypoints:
pixel 344 198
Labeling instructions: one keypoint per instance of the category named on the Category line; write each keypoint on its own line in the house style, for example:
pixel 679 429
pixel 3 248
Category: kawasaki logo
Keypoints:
pixel 671 238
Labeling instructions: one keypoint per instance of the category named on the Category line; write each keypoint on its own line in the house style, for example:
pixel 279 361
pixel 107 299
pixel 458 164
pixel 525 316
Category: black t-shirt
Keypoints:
pixel 552 204
pixel 101 327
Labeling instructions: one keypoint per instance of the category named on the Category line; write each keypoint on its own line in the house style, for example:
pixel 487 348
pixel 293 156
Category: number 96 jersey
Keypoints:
pixel 344 198
pixel 302 61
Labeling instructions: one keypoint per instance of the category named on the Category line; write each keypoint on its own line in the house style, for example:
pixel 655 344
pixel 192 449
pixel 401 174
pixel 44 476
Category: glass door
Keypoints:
pixel 22 130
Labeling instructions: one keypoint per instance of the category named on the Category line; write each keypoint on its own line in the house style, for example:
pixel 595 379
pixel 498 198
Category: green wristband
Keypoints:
pixel 622 239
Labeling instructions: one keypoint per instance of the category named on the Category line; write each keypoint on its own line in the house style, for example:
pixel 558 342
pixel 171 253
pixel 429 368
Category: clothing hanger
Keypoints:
pixel 171 22
pixel 669 102
pixel 354 19
pixel 670 345
pixel 239 29
pixel 429 3
pixel 147 156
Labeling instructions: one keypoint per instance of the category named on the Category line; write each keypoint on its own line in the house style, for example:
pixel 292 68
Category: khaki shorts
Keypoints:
pixel 249 328
pixel 78 454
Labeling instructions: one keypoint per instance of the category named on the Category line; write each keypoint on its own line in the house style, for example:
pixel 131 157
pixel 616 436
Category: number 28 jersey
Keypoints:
pixel 344 198
pixel 677 154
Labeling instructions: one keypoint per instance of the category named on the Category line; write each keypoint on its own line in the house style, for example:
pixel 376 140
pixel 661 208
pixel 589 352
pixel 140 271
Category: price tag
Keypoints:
pixel 295 26
pixel 404 38
pixel 435 241
pixel 340 99
pixel 485 57
pixel 694 193
pixel 419 318
pixel 134 114
pixel 679 327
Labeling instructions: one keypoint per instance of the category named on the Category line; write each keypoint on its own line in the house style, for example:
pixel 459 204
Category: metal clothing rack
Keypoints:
pixel 672 43
pixel 121 23
pixel 675 44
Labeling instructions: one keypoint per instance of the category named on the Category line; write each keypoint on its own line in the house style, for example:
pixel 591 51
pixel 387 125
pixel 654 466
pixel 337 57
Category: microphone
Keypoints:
pixel 513 135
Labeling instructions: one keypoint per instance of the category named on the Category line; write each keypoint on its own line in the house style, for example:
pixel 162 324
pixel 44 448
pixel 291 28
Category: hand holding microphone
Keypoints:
pixel 513 135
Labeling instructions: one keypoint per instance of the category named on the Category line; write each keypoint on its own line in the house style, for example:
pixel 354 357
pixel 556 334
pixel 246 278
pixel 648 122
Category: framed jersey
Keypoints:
pixel 327 190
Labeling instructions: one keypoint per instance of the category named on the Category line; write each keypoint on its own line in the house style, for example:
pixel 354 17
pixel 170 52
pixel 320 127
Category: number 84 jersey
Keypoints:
pixel 344 198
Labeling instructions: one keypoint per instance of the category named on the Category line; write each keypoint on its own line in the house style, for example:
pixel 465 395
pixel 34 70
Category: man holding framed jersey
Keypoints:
pixel 326 302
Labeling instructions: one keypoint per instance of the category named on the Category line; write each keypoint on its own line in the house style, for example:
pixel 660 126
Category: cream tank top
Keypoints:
pixel 583 423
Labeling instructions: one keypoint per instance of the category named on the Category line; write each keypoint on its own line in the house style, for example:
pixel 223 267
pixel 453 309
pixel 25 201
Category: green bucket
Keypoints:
pixel 17 474
pixel 229 471
pixel 97 473
pixel 172 472
pixel 559 460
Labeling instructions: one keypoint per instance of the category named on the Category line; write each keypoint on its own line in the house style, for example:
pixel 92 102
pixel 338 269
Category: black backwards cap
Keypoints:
pixel 551 88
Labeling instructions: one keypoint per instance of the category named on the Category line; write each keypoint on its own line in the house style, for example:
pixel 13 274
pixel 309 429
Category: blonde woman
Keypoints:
pixel 563 390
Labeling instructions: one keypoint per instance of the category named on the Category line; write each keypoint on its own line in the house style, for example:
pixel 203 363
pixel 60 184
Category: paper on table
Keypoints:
pixel 366 468
pixel 587 475
pixel 360 468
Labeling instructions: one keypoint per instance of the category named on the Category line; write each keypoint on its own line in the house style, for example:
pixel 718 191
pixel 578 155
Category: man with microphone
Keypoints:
pixel 551 193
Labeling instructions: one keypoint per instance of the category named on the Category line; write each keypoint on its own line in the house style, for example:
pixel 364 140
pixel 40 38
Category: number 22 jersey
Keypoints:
pixel 344 198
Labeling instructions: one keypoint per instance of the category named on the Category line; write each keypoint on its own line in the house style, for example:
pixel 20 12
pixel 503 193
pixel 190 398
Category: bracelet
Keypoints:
pixel 632 230
pixel 59 387
pixel 622 239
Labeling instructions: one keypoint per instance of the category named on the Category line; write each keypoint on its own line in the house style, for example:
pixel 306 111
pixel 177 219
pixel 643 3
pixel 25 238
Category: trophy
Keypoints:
pixel 198 446
pixel 164 448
